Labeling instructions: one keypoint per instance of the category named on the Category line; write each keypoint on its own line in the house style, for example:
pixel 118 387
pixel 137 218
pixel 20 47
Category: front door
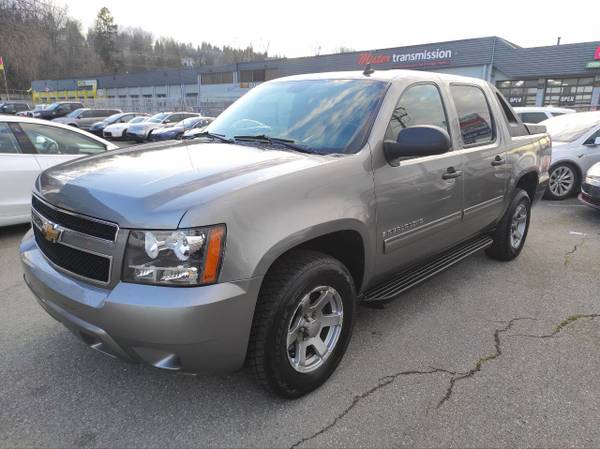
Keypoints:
pixel 419 201
pixel 484 161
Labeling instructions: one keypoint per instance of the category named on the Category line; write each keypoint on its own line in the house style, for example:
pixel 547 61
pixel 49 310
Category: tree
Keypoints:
pixel 105 38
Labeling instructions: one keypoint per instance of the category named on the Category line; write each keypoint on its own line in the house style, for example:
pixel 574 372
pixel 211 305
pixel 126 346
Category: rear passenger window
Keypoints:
pixel 474 116
pixel 418 105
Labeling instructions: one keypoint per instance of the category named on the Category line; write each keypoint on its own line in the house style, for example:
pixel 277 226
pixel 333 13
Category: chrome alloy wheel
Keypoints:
pixel 518 226
pixel 562 179
pixel 315 329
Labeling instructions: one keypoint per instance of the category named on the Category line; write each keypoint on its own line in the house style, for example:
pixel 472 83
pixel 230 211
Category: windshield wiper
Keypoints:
pixel 215 136
pixel 288 143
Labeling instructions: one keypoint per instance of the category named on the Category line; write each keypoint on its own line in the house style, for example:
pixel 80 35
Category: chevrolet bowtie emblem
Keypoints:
pixel 51 232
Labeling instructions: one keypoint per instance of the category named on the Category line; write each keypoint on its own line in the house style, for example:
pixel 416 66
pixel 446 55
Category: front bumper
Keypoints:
pixel 198 330
pixel 590 195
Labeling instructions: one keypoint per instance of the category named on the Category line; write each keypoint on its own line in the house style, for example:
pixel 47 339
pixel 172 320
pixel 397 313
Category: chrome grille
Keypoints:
pixel 81 246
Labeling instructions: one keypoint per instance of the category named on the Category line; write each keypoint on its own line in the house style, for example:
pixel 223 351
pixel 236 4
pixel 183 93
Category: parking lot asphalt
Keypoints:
pixel 486 354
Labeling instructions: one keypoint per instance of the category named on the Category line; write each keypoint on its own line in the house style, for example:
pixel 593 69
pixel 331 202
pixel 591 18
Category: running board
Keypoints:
pixel 416 274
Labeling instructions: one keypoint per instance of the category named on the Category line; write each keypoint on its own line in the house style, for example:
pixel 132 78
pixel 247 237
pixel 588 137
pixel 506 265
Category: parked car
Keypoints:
pixel 28 146
pixel 59 109
pixel 307 195
pixel 199 129
pixel 590 187
pixel 141 131
pixel 121 117
pixel 13 107
pixel 84 118
pixel 30 112
pixel 118 131
pixel 537 114
pixel 575 148
pixel 176 131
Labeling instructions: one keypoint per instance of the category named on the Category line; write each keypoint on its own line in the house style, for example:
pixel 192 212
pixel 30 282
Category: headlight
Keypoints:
pixel 592 180
pixel 185 257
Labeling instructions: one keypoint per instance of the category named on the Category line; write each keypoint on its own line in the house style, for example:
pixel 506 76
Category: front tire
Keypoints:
pixel 302 323
pixel 511 232
pixel 564 182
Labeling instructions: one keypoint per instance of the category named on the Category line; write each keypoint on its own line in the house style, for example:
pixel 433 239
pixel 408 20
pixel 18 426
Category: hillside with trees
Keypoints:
pixel 39 40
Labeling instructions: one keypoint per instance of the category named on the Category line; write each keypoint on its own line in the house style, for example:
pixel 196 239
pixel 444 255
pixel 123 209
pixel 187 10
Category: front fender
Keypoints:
pixel 313 232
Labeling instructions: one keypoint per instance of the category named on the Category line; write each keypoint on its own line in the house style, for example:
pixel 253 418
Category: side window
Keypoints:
pixel 474 116
pixel 8 142
pixel 418 105
pixel 51 140
pixel 508 112
pixel 533 117
pixel 592 139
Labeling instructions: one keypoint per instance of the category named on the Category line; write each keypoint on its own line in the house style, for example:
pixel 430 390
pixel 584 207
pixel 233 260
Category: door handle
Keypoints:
pixel 452 173
pixel 498 160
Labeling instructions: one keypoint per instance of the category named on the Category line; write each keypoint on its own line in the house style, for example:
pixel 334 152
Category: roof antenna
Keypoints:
pixel 368 70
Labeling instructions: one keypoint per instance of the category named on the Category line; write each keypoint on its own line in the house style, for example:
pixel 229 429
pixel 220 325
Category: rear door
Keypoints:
pixel 484 157
pixel 418 204
pixel 87 118
pixel 18 171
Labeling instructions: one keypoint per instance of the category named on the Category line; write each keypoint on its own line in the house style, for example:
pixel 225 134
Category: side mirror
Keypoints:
pixel 417 141
pixel 592 142
pixel 597 141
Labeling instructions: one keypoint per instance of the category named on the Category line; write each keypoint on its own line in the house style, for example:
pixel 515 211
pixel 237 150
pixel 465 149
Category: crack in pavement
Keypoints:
pixel 479 364
pixel 383 381
pixel 560 326
pixel 570 254
pixel 456 375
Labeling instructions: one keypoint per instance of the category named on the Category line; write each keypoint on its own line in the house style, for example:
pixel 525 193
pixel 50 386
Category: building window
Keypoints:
pixel 216 78
pixel 572 92
pixel 519 92
pixel 253 76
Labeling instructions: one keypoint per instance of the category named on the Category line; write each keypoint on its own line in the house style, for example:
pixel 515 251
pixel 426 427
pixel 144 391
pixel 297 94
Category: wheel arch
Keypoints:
pixel 528 181
pixel 345 241
pixel 569 162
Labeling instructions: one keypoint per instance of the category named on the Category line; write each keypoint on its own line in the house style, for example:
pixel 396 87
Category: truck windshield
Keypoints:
pixel 324 116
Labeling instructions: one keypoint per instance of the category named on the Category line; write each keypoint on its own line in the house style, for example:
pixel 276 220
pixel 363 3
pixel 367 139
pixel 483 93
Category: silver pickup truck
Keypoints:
pixel 255 242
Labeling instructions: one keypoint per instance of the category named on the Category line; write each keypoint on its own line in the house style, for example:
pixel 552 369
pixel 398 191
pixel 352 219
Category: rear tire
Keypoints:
pixel 511 232
pixel 306 296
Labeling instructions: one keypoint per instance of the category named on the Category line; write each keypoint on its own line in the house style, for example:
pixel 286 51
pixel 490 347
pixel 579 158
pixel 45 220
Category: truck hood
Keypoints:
pixel 152 186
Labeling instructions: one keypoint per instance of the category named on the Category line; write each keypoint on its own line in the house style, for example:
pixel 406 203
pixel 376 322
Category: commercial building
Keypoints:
pixel 559 75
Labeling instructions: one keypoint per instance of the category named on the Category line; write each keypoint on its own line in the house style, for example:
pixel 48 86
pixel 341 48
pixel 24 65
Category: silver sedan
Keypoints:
pixel 575 148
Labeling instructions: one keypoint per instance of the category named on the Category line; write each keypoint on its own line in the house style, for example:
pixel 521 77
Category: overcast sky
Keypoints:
pixel 305 27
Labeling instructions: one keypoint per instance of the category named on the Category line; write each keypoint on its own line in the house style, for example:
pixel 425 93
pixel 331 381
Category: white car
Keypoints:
pixel 590 187
pixel 118 131
pixel 537 114
pixel 28 146
pixel 575 148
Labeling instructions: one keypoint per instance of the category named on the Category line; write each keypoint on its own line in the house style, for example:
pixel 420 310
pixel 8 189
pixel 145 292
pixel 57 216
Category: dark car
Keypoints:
pixel 123 117
pixel 11 107
pixel 176 131
pixel 59 109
